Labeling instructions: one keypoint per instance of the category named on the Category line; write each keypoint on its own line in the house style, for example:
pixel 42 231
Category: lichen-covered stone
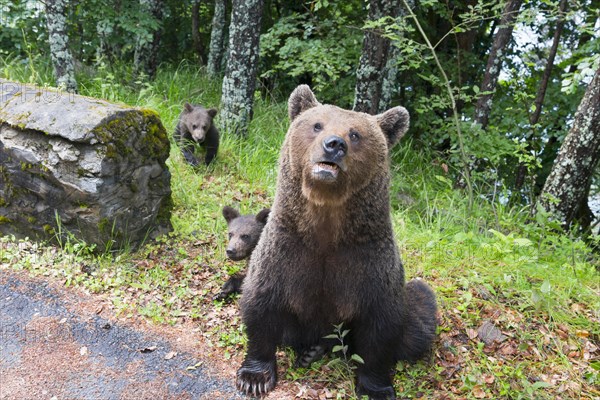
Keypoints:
pixel 81 166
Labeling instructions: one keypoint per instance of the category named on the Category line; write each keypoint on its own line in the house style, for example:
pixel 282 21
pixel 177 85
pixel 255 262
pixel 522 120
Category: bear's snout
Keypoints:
pixel 335 147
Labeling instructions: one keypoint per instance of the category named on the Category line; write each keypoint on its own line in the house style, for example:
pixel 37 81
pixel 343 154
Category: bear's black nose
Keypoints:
pixel 230 253
pixel 335 146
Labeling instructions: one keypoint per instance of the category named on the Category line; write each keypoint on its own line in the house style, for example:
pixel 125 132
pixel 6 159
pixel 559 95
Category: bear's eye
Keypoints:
pixel 318 127
pixel 245 237
pixel 230 235
pixel 194 126
pixel 354 136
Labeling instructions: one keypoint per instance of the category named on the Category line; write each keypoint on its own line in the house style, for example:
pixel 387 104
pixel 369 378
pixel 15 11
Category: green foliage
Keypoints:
pixel 320 49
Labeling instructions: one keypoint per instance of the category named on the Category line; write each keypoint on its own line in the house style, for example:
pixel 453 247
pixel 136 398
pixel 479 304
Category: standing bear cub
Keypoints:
pixel 244 232
pixel 196 126
pixel 328 256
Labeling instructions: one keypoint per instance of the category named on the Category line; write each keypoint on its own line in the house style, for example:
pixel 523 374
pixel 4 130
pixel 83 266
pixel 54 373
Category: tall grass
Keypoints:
pixel 494 246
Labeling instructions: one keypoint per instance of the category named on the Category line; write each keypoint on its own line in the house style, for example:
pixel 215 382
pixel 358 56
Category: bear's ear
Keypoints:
pixel 394 124
pixel 301 99
pixel 188 107
pixel 263 215
pixel 212 112
pixel 230 213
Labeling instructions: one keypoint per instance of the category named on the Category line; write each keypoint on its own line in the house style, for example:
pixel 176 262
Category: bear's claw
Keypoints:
pixel 256 378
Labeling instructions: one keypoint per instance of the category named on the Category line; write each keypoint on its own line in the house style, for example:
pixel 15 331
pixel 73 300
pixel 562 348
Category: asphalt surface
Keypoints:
pixel 50 352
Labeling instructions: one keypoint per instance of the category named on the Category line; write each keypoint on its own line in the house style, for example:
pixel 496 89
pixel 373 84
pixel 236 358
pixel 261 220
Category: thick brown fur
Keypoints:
pixel 328 256
pixel 196 125
pixel 243 232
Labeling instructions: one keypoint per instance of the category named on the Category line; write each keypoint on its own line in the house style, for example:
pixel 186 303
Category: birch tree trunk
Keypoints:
pixel 239 81
pixel 391 85
pixel 147 45
pixel 534 118
pixel 62 59
pixel 217 36
pixel 494 62
pixel 373 60
pixel 197 43
pixel 567 186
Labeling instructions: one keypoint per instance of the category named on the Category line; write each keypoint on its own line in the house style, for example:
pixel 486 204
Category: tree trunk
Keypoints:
pixel 62 59
pixel 197 43
pixel 390 85
pixel 217 35
pixel 146 49
pixel 239 81
pixel 494 62
pixel 373 60
pixel 541 93
pixel 571 176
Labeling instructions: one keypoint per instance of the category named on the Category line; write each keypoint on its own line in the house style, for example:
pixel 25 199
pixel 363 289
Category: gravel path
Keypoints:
pixel 50 349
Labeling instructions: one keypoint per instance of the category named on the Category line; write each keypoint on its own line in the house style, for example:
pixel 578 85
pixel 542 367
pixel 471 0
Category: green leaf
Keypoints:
pixel 337 348
pixel 540 385
pixel 522 242
pixel 357 358
pixel 546 287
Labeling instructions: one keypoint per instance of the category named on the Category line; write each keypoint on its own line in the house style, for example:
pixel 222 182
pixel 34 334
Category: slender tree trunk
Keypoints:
pixel 569 181
pixel 390 86
pixel 541 93
pixel 239 81
pixel 217 35
pixel 373 60
pixel 197 43
pixel 146 48
pixel 62 59
pixel 494 62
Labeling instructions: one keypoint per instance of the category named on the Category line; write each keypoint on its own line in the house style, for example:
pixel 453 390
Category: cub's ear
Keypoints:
pixel 212 112
pixel 188 107
pixel 230 213
pixel 301 99
pixel 263 215
pixel 394 124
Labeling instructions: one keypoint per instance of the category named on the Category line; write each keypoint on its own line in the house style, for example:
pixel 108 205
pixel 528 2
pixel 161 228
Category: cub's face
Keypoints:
pixel 198 121
pixel 244 232
pixel 337 152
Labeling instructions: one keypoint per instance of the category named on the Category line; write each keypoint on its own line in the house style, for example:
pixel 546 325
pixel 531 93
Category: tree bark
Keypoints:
pixel 390 86
pixel 534 118
pixel 494 62
pixel 145 57
pixel 197 43
pixel 569 181
pixel 217 36
pixel 239 81
pixel 373 60
pixel 62 59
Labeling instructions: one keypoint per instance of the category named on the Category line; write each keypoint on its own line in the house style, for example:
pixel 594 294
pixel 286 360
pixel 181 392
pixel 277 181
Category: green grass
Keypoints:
pixel 541 289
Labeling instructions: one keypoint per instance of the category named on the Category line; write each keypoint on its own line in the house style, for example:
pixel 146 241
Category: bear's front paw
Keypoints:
pixel 376 388
pixel 256 378
pixel 310 355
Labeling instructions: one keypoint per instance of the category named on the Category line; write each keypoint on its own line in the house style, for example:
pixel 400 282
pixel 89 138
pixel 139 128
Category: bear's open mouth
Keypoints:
pixel 325 170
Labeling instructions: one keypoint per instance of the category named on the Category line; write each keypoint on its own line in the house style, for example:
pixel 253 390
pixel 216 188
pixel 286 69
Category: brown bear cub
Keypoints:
pixel 328 255
pixel 196 126
pixel 244 232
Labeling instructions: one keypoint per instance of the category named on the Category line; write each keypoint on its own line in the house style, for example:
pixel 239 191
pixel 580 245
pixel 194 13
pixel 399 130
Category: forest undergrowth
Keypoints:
pixel 519 301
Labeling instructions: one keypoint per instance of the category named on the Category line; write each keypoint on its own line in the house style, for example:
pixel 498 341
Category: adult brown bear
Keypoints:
pixel 327 254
